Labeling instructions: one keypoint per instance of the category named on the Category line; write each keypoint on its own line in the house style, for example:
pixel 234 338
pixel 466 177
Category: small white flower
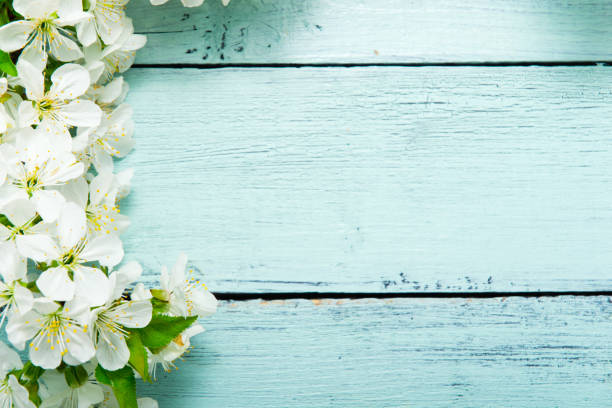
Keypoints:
pixel 187 296
pixel 105 18
pixel 60 107
pixel 177 347
pixel 99 199
pixel 41 32
pixel 110 321
pixel 103 63
pixel 34 165
pixel 109 96
pixel 113 138
pixel 70 252
pixel 56 332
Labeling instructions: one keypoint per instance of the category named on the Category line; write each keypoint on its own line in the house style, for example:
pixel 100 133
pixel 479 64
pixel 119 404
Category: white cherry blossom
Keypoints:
pixel 177 347
pixel 99 200
pixel 111 320
pixel 113 138
pixel 34 166
pixel 105 62
pixel 187 295
pixel 106 19
pixel 54 331
pixel 60 107
pixel 67 255
pixel 41 32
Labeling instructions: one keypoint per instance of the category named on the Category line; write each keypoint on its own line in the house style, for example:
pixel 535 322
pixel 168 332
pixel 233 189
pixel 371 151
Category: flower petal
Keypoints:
pixel 92 285
pixel 24 299
pixel 108 250
pixel 19 212
pixel 12 266
pixel 46 355
pixel 177 277
pixel 35 53
pixel 69 81
pixel 147 402
pixel 112 352
pixel 80 345
pixel 192 3
pixel 100 188
pixel 9 359
pixel 32 79
pixel 26 114
pixel 21 328
pixel 48 203
pixel 13 36
pixel 35 8
pixel 134 313
pixel 204 303
pixel 55 284
pixel 40 248
pixel 63 48
pixel 72 225
pixel 90 395
pixel 76 190
pixel 128 273
pixel 81 113
pixel 86 31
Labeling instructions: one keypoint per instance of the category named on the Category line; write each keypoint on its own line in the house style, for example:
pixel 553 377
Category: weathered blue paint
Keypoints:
pixel 381 179
pixel 458 353
pixel 375 31
pixel 375 179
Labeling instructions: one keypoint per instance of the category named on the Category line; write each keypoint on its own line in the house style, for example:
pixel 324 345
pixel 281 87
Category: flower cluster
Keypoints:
pixel 88 328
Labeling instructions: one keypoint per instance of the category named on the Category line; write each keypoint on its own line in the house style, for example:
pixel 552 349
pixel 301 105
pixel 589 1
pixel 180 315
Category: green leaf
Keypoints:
pixel 4 18
pixel 29 379
pixel 6 64
pixel 162 329
pixel 75 376
pixel 138 356
pixel 31 372
pixel 123 384
pixel 101 375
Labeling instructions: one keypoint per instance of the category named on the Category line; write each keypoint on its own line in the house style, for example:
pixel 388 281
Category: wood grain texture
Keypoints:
pixel 375 179
pixel 374 31
pixel 515 352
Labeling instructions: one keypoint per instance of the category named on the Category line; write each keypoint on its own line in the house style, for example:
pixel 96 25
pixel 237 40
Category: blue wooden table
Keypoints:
pixel 415 195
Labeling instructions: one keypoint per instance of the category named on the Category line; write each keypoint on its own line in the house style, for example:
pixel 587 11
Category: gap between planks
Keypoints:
pixel 382 64
pixel 246 296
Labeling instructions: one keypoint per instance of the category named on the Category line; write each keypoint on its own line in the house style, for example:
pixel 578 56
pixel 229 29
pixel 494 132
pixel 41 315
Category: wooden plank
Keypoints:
pixel 375 179
pixel 374 31
pixel 517 352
